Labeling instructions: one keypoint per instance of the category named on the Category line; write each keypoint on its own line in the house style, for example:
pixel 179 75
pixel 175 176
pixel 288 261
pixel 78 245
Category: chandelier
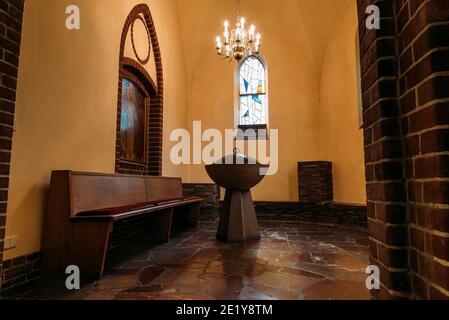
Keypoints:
pixel 240 42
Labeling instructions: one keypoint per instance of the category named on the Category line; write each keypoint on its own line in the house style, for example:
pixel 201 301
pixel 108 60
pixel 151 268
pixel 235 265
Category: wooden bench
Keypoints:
pixel 83 207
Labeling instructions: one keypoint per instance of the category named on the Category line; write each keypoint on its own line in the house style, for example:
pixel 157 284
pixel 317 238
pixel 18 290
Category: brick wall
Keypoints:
pixel 423 48
pixel 20 270
pixel 386 194
pixel 210 193
pixel 135 71
pixel 335 213
pixel 315 182
pixel 11 14
pixel 405 86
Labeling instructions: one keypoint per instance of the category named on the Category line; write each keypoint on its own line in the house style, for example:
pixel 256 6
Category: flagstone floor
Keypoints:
pixel 293 261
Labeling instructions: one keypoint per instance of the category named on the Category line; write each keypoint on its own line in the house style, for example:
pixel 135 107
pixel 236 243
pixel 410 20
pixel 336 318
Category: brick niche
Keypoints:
pixel 134 70
pixel 405 93
pixel 315 182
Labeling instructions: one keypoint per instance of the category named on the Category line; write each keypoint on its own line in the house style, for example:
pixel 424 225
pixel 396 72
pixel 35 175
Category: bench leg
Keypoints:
pixel 160 225
pixel 193 215
pixel 186 216
pixel 88 248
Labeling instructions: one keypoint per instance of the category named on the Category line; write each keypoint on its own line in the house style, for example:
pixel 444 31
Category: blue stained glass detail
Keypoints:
pixel 253 100
pixel 252 112
pixel 256 99
pixel 252 77
pixel 246 85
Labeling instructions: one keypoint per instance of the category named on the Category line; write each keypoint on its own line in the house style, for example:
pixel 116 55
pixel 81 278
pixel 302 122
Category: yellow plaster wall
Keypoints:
pixel 67 100
pixel 341 139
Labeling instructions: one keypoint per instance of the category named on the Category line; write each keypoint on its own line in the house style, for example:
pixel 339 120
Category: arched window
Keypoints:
pixel 252 96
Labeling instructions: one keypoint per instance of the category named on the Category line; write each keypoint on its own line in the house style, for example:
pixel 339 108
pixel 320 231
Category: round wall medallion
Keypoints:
pixel 141 49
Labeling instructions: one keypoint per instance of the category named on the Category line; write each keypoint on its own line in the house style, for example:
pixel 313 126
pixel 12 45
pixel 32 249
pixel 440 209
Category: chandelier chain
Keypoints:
pixel 238 10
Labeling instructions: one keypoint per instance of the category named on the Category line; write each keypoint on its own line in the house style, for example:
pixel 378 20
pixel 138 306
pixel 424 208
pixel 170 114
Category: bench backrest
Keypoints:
pixel 92 191
pixel 159 188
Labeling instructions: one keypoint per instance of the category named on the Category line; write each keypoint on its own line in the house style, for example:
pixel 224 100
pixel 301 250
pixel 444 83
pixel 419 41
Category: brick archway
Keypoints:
pixel 134 70
pixel 405 81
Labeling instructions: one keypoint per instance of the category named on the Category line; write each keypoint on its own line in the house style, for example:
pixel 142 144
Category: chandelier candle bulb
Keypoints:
pixel 252 30
pixel 258 42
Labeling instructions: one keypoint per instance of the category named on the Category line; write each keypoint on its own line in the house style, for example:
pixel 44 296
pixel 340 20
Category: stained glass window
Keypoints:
pixel 132 124
pixel 253 100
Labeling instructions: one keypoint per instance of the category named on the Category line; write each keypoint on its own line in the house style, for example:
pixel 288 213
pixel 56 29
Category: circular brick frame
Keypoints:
pixel 133 70
pixel 147 58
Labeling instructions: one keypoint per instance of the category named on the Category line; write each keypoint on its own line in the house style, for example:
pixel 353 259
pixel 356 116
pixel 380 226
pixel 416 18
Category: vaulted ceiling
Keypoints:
pixel 314 21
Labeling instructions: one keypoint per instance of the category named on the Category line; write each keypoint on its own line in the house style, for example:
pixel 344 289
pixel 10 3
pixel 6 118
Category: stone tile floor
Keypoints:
pixel 293 261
